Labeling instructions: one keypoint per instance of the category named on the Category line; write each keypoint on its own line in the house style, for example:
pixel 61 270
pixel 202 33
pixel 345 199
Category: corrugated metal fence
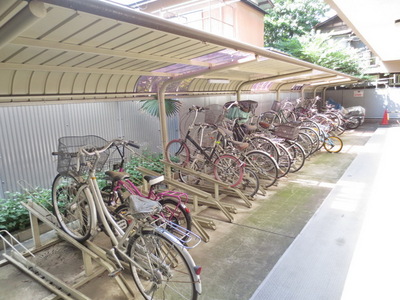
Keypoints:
pixel 30 133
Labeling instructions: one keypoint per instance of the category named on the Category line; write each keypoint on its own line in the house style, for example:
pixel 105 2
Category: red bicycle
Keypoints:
pixel 120 187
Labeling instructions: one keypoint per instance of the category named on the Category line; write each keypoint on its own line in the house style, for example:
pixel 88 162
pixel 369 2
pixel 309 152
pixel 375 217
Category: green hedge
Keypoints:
pixel 14 216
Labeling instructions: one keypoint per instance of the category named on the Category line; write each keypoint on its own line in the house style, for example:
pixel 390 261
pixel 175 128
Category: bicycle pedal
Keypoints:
pixel 115 273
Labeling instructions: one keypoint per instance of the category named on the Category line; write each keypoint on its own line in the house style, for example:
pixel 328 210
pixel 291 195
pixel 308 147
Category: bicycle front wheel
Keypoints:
pixel 71 206
pixel 229 169
pixel 177 153
pixel 163 271
pixel 333 144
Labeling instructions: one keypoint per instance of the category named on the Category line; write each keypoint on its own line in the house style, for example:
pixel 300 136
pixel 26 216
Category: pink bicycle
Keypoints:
pixel 120 187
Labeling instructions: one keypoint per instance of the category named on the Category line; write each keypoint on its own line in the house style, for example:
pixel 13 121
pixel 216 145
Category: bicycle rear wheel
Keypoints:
pixel 168 269
pixel 250 183
pixel 178 214
pixel 228 169
pixel 297 154
pixel 284 161
pixel 73 210
pixel 306 142
pixel 264 165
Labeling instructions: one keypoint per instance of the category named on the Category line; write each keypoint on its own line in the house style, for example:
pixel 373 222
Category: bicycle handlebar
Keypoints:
pixel 115 142
pixel 198 108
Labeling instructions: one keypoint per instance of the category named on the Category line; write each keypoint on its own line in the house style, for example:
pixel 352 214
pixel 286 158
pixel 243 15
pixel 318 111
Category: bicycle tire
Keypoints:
pixel 353 123
pixel 177 152
pixel 306 142
pixel 269 117
pixel 284 160
pixel 264 144
pixel 313 134
pixel 297 154
pixel 228 169
pixel 73 210
pixel 178 214
pixel 188 178
pixel 264 165
pixel 250 183
pixel 333 144
pixel 171 276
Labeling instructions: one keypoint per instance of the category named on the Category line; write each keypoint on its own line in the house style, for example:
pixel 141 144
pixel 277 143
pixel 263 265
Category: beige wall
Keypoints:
pixel 237 20
pixel 249 25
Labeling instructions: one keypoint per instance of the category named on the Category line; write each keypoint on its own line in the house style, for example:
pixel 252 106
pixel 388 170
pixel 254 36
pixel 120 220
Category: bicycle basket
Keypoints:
pixel 68 148
pixel 276 106
pixel 287 131
pixel 214 114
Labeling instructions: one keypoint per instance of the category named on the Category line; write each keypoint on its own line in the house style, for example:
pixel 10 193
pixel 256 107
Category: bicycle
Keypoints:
pixel 331 143
pixel 280 112
pixel 226 168
pixel 120 187
pixel 160 263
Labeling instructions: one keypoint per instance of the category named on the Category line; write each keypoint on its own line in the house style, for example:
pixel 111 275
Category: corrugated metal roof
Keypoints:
pixel 78 50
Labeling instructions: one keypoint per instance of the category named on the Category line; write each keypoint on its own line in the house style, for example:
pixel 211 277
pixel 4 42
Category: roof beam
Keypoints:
pixel 63 69
pixel 23 41
pixel 128 15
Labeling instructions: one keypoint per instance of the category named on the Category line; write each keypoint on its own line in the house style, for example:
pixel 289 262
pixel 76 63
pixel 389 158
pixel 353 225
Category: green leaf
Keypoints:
pixel 151 107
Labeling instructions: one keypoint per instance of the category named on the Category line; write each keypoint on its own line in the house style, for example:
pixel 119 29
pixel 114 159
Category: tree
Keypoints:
pixel 289 28
pixel 321 49
pixel 291 18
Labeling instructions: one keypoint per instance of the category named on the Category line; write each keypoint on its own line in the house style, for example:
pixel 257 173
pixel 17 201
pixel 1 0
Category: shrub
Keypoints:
pixel 13 215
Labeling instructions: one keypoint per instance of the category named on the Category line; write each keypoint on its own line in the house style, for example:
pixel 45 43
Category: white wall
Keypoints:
pixel 375 101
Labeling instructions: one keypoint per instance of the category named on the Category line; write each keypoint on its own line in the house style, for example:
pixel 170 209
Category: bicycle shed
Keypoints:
pixel 251 64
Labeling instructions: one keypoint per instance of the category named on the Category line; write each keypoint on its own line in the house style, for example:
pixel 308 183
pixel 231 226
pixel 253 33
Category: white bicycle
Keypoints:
pixel 160 263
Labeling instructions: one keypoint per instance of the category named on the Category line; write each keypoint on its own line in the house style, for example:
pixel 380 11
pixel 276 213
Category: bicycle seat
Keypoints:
pixel 264 125
pixel 153 180
pixel 143 206
pixel 116 176
pixel 240 145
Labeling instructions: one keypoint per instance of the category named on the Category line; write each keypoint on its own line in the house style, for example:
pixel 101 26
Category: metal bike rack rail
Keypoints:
pixel 210 198
pixel 90 252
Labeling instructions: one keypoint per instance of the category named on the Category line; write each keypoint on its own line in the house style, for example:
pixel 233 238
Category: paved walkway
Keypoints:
pixel 350 248
pixel 325 232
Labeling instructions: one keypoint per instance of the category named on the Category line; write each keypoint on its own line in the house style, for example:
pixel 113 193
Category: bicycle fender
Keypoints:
pixel 186 254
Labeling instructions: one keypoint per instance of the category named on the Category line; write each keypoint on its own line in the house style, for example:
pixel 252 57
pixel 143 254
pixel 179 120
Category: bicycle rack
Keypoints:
pixel 90 252
pixel 201 198
pixel 217 185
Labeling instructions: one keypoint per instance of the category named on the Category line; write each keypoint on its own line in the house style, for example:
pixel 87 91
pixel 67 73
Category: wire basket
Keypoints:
pixel 214 114
pixel 287 131
pixel 276 106
pixel 68 148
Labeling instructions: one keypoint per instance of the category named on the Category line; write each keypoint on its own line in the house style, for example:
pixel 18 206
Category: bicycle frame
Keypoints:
pixel 93 193
pixel 198 147
pixel 152 195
